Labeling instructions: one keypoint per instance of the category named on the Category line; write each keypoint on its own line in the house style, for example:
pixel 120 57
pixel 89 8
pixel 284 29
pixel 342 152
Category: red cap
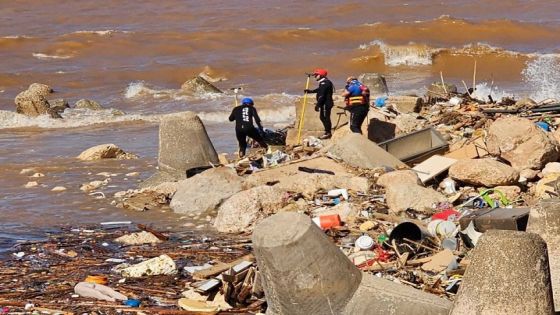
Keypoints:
pixel 321 72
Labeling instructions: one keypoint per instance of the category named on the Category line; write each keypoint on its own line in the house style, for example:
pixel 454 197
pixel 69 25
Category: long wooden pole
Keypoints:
pixel 301 119
pixel 474 76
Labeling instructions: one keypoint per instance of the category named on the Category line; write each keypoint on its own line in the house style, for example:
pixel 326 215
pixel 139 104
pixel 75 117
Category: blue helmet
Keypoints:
pixel 248 101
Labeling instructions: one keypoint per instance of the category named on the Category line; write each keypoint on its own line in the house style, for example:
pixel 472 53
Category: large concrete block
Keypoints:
pixel 184 144
pixel 375 82
pixel 544 219
pixel 359 151
pixel 303 271
pixel 380 296
pixel 311 117
pixel 508 274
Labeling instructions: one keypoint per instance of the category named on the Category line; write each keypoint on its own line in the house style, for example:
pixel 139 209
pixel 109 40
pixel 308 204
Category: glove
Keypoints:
pixel 306 91
pixel 317 108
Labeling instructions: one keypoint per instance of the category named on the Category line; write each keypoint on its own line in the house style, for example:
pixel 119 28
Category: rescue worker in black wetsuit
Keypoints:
pixel 244 115
pixel 356 97
pixel 324 100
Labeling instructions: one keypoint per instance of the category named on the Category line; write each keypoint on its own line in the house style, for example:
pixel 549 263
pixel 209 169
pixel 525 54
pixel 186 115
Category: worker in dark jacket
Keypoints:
pixel 324 100
pixel 356 98
pixel 244 115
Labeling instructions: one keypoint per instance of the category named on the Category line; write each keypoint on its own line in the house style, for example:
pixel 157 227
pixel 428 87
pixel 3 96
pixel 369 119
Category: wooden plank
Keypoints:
pixel 221 267
pixel 433 167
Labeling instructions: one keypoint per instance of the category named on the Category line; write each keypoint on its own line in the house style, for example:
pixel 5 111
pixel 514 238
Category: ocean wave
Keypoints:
pixel 283 114
pixel 72 118
pixel 542 74
pixel 101 32
pixel 409 55
pixel 17 37
pixel 42 56
pixel 139 89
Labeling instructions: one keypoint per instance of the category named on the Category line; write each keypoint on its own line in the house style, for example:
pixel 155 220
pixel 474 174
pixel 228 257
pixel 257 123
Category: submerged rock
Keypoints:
pixel 105 151
pixel 199 85
pixel 89 104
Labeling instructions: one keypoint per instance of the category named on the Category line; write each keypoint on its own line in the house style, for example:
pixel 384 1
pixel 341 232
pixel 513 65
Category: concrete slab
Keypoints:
pixel 432 167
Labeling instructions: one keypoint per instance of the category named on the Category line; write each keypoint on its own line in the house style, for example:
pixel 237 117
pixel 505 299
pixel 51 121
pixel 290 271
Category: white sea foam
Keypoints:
pixel 409 55
pixel 101 32
pixel 142 89
pixel 484 89
pixel 283 114
pixel 72 118
pixel 542 75
pixel 42 56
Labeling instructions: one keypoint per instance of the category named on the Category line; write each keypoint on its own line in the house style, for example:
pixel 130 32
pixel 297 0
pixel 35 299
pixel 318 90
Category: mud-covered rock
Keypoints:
pixel 105 151
pixel 404 196
pixel 89 104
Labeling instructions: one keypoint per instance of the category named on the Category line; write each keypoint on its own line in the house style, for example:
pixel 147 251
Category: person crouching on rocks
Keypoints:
pixel 356 97
pixel 244 115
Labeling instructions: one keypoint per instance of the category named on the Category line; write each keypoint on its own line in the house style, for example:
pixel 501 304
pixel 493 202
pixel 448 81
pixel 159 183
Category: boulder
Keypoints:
pixel 199 85
pixel 552 167
pixel 545 186
pixel 520 142
pixel 243 210
pixel 205 191
pixel 58 105
pixel 138 238
pixel 40 89
pixel 401 197
pixel 375 82
pixel 89 104
pixel 525 103
pixel 184 144
pixel 483 172
pixel 31 104
pixel 359 151
pixel 405 104
pixel 407 123
pixel 398 177
pixel 529 174
pixel 105 151
pixel 289 178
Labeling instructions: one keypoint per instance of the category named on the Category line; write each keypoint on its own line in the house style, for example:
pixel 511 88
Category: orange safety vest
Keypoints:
pixel 362 99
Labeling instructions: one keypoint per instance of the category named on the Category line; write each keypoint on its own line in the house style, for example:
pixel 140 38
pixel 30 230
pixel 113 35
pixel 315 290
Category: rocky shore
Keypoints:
pixel 446 204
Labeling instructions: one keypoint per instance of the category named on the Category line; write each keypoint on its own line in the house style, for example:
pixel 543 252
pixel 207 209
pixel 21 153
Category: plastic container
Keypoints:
pixel 364 242
pixel 132 303
pixel 441 228
pixel 338 192
pixel 326 222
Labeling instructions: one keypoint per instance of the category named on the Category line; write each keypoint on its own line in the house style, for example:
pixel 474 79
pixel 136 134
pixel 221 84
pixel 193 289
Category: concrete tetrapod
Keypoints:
pixel 508 274
pixel 544 219
pixel 305 273
pixel 184 144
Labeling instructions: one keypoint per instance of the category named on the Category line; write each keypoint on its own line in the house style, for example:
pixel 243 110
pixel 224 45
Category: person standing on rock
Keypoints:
pixel 356 97
pixel 244 115
pixel 324 100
